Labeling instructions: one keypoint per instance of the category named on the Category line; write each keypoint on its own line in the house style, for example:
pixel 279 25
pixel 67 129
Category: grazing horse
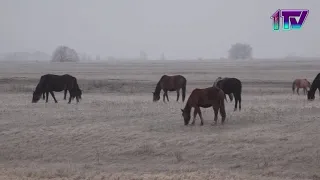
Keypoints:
pixel 232 86
pixel 314 86
pixel 215 84
pixel 300 83
pixel 205 98
pixel 50 82
pixel 170 83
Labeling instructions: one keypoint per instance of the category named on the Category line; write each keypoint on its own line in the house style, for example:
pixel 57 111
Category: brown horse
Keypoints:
pixel 170 83
pixel 301 83
pixel 205 98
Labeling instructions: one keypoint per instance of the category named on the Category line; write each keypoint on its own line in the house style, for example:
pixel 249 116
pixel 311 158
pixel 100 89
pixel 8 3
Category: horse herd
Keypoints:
pixel 199 98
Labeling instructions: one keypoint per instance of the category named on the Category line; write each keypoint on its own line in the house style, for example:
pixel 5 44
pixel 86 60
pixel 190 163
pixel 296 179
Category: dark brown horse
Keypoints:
pixel 232 86
pixel 314 86
pixel 205 98
pixel 170 83
pixel 215 84
pixel 301 83
pixel 49 83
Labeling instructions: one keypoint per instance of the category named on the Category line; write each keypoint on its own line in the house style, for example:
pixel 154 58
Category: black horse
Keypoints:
pixel 314 86
pixel 231 86
pixel 50 82
pixel 215 84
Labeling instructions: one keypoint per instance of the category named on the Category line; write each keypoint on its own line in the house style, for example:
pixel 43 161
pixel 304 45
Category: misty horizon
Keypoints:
pixel 178 29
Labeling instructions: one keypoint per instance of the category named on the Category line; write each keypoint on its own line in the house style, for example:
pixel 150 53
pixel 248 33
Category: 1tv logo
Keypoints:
pixel 291 18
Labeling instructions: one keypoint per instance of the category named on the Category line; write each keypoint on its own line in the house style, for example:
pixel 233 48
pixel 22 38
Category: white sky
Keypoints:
pixel 179 28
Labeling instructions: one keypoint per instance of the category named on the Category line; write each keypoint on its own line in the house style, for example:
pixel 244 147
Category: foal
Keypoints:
pixel 301 83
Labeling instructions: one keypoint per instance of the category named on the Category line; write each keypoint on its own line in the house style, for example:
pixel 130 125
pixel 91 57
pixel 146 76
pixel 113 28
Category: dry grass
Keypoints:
pixel 117 132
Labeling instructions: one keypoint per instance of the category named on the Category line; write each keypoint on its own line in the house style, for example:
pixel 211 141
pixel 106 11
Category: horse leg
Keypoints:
pixel 200 114
pixel 215 109
pixel 167 96
pixel 195 112
pixel 54 98
pixel 77 99
pixel 239 99
pixel 293 88
pixel 69 100
pixel 47 96
pixel 43 96
pixel 298 91
pixel 236 102
pixel 178 94
pixel 230 97
pixel 164 96
pixel 65 94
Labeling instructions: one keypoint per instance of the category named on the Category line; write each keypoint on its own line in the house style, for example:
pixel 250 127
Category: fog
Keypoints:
pixel 177 28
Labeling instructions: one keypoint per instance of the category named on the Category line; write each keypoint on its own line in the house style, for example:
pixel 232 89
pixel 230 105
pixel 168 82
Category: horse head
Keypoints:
pixel 310 96
pixel 36 96
pixel 156 97
pixel 186 117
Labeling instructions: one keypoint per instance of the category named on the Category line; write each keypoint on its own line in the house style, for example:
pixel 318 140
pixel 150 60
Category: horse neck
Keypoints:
pixel 40 86
pixel 314 84
pixel 187 108
pixel 158 88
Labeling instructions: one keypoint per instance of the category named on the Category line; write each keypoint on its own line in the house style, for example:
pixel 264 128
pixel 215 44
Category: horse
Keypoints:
pixel 205 98
pixel 232 86
pixel 50 82
pixel 170 83
pixel 300 83
pixel 314 86
pixel 215 84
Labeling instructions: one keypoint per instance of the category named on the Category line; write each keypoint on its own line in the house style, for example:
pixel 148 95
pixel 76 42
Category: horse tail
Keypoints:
pixel 184 86
pixel 293 85
pixel 222 104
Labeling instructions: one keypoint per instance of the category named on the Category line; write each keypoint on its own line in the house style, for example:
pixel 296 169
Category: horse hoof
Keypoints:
pixel 201 124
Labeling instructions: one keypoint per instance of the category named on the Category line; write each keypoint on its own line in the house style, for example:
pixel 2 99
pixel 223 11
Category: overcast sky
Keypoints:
pixel 178 28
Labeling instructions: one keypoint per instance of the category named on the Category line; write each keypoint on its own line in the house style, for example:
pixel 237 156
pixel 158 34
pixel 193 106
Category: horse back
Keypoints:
pixel 302 83
pixel 206 97
pixel 52 82
pixel 172 83
pixel 231 85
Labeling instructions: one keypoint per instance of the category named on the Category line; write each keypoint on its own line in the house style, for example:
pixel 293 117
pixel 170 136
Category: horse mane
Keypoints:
pixel 187 107
pixel 315 83
pixel 40 85
pixel 317 77
pixel 158 87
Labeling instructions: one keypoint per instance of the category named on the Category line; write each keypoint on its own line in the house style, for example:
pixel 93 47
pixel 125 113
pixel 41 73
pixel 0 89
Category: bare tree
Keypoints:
pixel 143 55
pixel 98 58
pixel 64 54
pixel 240 51
pixel 163 57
